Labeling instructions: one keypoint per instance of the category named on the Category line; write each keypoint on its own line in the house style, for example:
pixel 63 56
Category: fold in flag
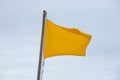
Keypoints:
pixel 59 40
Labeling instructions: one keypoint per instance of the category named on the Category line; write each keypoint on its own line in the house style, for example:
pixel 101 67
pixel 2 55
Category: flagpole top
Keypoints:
pixel 44 12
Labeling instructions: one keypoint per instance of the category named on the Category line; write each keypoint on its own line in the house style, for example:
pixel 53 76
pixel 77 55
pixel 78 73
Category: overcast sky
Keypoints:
pixel 20 31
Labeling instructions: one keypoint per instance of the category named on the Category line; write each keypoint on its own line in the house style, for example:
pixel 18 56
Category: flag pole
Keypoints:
pixel 39 73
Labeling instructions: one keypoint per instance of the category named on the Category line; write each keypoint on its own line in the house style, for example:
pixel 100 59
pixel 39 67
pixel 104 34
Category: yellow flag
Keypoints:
pixel 59 40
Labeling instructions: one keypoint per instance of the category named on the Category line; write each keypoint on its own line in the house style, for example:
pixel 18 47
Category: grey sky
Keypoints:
pixel 20 31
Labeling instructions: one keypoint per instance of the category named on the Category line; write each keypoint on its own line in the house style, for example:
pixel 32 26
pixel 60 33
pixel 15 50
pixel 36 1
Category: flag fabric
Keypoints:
pixel 59 40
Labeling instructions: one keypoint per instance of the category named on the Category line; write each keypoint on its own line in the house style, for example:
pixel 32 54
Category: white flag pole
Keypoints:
pixel 39 73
